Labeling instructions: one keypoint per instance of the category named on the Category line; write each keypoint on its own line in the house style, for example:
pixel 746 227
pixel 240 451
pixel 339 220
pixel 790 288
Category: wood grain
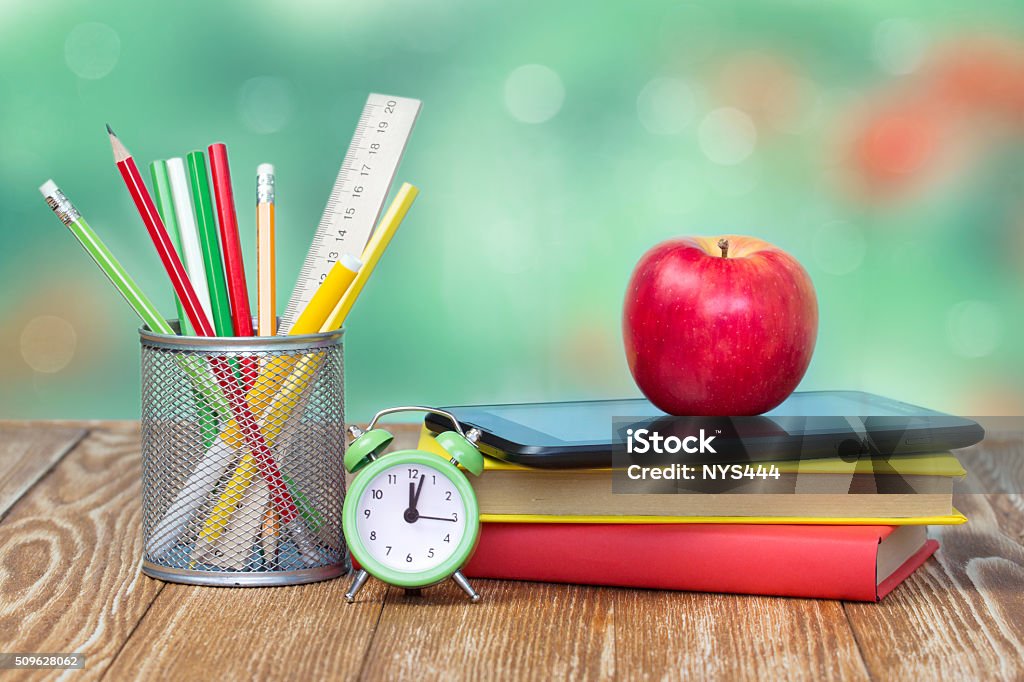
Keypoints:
pixel 675 636
pixel 69 572
pixel 26 453
pixel 517 631
pixel 960 616
pixel 305 632
pixel 69 581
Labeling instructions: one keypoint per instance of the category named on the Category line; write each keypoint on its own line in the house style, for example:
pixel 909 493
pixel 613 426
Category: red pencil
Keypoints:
pixel 158 233
pixel 230 244
pixel 190 302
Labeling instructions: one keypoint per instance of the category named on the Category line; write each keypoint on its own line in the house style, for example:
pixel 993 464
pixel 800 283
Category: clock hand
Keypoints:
pixel 416 500
pixel 411 515
pixel 436 518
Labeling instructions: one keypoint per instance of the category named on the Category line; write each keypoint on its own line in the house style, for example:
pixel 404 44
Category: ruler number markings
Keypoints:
pixel 358 195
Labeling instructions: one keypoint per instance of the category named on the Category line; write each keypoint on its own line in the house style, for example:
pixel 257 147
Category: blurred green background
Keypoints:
pixel 879 142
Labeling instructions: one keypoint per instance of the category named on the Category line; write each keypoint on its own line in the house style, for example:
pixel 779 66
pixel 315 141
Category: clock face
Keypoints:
pixel 411 517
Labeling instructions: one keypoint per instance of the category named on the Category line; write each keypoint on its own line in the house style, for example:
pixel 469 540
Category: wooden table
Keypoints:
pixel 70 582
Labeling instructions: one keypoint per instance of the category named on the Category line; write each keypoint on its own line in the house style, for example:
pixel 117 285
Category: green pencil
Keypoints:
pixel 165 206
pixel 99 252
pixel 208 240
pixel 126 286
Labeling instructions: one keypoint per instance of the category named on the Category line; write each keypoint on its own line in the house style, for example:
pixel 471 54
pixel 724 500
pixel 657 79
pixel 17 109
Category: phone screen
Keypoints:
pixel 590 422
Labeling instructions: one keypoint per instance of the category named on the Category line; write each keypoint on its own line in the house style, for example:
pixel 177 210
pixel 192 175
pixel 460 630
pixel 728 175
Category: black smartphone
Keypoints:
pixel 810 424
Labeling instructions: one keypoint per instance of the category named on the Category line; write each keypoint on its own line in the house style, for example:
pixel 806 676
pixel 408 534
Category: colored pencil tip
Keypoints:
pixel 110 131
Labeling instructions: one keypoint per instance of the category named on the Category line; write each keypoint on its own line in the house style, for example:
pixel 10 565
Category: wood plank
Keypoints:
pixel 516 631
pixel 961 616
pixel 27 452
pixel 305 632
pixel 669 636
pixel 70 568
pixel 301 633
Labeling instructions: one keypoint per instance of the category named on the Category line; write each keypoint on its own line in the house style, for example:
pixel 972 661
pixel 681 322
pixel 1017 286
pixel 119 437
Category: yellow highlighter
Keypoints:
pixel 303 370
pixel 327 295
pixel 311 321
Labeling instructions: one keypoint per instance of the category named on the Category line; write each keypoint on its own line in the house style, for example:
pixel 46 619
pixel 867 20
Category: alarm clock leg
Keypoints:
pixel 461 581
pixel 357 584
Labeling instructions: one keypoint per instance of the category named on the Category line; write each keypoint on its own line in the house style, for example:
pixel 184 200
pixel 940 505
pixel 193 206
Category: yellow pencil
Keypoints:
pixel 371 254
pixel 266 292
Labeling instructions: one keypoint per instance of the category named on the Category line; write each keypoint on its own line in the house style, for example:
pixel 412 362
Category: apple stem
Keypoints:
pixel 723 244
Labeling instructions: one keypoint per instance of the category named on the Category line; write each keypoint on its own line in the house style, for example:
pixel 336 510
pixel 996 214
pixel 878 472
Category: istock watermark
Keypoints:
pixel 833 454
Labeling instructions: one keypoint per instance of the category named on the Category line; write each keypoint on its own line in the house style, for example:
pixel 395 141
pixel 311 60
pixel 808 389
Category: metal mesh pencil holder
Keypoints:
pixel 243 446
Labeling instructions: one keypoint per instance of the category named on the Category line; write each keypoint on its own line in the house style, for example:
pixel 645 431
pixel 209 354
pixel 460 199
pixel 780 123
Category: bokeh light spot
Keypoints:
pixel 265 104
pixel 727 136
pixel 91 50
pixel 839 247
pixel 665 106
pixel 533 93
pixel 899 46
pixel 48 343
pixel 973 328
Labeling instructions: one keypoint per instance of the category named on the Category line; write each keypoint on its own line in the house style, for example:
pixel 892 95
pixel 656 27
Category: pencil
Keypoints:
pixel 102 256
pixel 160 172
pixel 126 286
pixel 188 233
pixel 269 530
pixel 165 205
pixel 231 245
pixel 389 224
pixel 220 305
pixel 266 295
pixel 223 374
pixel 158 234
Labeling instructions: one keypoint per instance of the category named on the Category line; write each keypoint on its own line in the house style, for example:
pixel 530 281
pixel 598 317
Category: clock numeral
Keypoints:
pixel 377 494
pixel 448 496
pixel 373 535
pixel 414 473
pixel 455 516
pixel 408 558
pixel 366 513
pixel 430 554
pixel 392 478
pixel 448 538
pixel 433 480
pixel 387 550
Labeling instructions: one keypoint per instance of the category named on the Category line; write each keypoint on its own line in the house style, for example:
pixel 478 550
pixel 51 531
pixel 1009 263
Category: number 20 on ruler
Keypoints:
pixel 359 191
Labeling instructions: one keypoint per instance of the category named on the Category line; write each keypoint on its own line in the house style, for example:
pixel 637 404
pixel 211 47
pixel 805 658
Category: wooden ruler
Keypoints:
pixel 358 195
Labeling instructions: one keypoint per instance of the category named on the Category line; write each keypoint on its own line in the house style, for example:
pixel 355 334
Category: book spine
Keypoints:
pixel 794 561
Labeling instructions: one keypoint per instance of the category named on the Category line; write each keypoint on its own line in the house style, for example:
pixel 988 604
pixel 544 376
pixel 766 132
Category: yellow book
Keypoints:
pixel 830 491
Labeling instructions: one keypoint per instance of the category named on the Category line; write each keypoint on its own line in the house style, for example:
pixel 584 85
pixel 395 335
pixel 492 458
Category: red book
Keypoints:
pixel 858 563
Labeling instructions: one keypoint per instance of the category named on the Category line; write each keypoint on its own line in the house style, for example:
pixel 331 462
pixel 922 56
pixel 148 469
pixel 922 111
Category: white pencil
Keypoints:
pixel 192 254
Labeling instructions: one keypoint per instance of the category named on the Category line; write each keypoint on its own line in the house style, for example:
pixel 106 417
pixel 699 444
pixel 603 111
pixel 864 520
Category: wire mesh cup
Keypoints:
pixel 243 447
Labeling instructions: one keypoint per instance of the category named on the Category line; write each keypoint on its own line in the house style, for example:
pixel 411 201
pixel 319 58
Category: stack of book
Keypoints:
pixel 855 531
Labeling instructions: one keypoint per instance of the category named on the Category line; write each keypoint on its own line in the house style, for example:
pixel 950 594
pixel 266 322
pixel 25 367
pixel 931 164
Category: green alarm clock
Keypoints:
pixel 410 517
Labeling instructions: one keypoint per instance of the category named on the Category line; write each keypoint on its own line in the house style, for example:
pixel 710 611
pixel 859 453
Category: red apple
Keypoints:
pixel 719 326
